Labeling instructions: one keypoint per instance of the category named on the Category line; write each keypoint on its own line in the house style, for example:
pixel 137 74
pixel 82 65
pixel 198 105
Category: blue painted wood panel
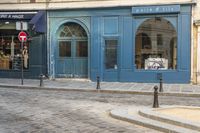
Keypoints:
pixel 95 43
pixel 185 43
pixel 80 67
pixel 127 44
pixel 111 26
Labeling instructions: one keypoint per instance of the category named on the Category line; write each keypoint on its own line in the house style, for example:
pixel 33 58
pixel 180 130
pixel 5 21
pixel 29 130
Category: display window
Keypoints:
pixel 156 45
pixel 10 48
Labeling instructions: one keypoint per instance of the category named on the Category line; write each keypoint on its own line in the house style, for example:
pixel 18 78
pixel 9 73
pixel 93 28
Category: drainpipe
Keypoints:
pixel 194 44
pixel 196 48
pixel 198 53
pixel 195 56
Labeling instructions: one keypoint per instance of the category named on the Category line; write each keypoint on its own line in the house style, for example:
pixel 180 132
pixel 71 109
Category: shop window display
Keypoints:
pixel 10 48
pixel 156 45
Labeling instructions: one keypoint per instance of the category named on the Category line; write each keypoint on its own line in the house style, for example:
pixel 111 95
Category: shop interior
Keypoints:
pixel 10 46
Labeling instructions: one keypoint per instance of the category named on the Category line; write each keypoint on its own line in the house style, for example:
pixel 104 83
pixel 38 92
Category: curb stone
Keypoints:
pixel 102 90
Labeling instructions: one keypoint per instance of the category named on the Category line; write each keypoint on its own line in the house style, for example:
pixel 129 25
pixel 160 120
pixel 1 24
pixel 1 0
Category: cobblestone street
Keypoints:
pixel 45 111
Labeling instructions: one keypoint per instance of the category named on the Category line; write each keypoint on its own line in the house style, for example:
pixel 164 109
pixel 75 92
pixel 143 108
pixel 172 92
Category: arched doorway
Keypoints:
pixel 72 51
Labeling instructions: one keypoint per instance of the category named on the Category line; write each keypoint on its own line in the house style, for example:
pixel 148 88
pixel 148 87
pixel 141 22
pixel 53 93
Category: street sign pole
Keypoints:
pixel 22 64
pixel 22 37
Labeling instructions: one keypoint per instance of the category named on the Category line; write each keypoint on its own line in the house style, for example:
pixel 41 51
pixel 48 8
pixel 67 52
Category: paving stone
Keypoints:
pixel 40 111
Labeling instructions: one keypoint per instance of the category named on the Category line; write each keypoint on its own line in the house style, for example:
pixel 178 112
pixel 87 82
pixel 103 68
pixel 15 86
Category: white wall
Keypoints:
pixel 196 10
pixel 9 1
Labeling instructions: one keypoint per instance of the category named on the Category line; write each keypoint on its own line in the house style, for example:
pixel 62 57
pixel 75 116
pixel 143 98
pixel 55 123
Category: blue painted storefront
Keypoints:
pixel 121 24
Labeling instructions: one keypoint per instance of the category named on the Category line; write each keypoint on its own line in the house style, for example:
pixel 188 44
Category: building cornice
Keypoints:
pixel 82 4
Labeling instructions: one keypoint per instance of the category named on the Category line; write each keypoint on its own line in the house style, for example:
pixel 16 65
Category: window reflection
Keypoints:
pixel 81 49
pixel 111 54
pixel 65 49
pixel 10 48
pixel 155 45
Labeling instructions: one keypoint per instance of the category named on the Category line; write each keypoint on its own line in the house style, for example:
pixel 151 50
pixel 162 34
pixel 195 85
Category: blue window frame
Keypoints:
pixel 110 54
pixel 156 44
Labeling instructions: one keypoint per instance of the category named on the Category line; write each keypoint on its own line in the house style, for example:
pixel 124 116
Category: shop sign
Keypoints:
pixel 16 16
pixel 155 9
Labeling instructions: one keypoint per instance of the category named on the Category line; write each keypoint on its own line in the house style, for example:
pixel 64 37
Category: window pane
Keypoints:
pixel 10 49
pixel 111 54
pixel 81 49
pixel 65 49
pixel 156 45
pixel 72 29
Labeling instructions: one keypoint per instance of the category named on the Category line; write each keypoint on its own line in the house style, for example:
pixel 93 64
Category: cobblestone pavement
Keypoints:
pixel 43 111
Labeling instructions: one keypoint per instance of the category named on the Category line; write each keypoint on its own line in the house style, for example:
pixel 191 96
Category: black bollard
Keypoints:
pixel 161 84
pixel 41 80
pixel 155 100
pixel 98 83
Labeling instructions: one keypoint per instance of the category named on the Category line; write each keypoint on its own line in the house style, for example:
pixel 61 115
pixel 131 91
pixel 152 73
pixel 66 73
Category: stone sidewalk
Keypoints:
pixel 118 87
pixel 154 118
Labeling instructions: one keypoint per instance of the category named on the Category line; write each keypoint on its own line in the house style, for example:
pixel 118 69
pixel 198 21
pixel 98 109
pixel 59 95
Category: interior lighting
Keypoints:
pixel 7 22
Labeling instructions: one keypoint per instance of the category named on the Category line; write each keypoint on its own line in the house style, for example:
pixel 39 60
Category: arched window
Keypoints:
pixel 155 45
pixel 72 30
pixel 73 40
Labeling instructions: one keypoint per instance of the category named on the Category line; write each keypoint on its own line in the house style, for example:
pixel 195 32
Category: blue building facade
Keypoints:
pixel 124 44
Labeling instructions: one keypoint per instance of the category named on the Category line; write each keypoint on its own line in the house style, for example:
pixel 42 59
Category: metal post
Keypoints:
pixel 41 80
pixel 161 84
pixel 22 64
pixel 155 100
pixel 98 83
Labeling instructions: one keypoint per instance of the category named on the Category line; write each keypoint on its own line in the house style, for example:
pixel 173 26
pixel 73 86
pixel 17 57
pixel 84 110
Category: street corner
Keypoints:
pixel 165 119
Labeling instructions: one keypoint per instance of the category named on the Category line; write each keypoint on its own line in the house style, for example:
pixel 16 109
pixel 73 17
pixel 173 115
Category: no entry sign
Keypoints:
pixel 22 36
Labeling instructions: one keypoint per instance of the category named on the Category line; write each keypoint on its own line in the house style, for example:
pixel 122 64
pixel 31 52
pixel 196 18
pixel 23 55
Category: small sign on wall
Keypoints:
pixel 21 25
pixel 156 63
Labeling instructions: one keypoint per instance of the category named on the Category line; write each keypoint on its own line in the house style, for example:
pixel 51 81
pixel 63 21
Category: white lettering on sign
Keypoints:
pixel 23 38
pixel 3 16
pixel 156 9
pixel 17 16
pixel 12 16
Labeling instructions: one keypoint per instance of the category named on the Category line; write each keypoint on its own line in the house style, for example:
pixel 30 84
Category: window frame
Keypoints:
pixel 104 56
pixel 138 21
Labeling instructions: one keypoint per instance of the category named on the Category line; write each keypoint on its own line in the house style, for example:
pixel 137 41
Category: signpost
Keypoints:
pixel 22 36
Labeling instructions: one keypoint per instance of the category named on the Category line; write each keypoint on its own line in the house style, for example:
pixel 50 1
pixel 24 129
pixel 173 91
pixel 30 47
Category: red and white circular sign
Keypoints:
pixel 22 36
